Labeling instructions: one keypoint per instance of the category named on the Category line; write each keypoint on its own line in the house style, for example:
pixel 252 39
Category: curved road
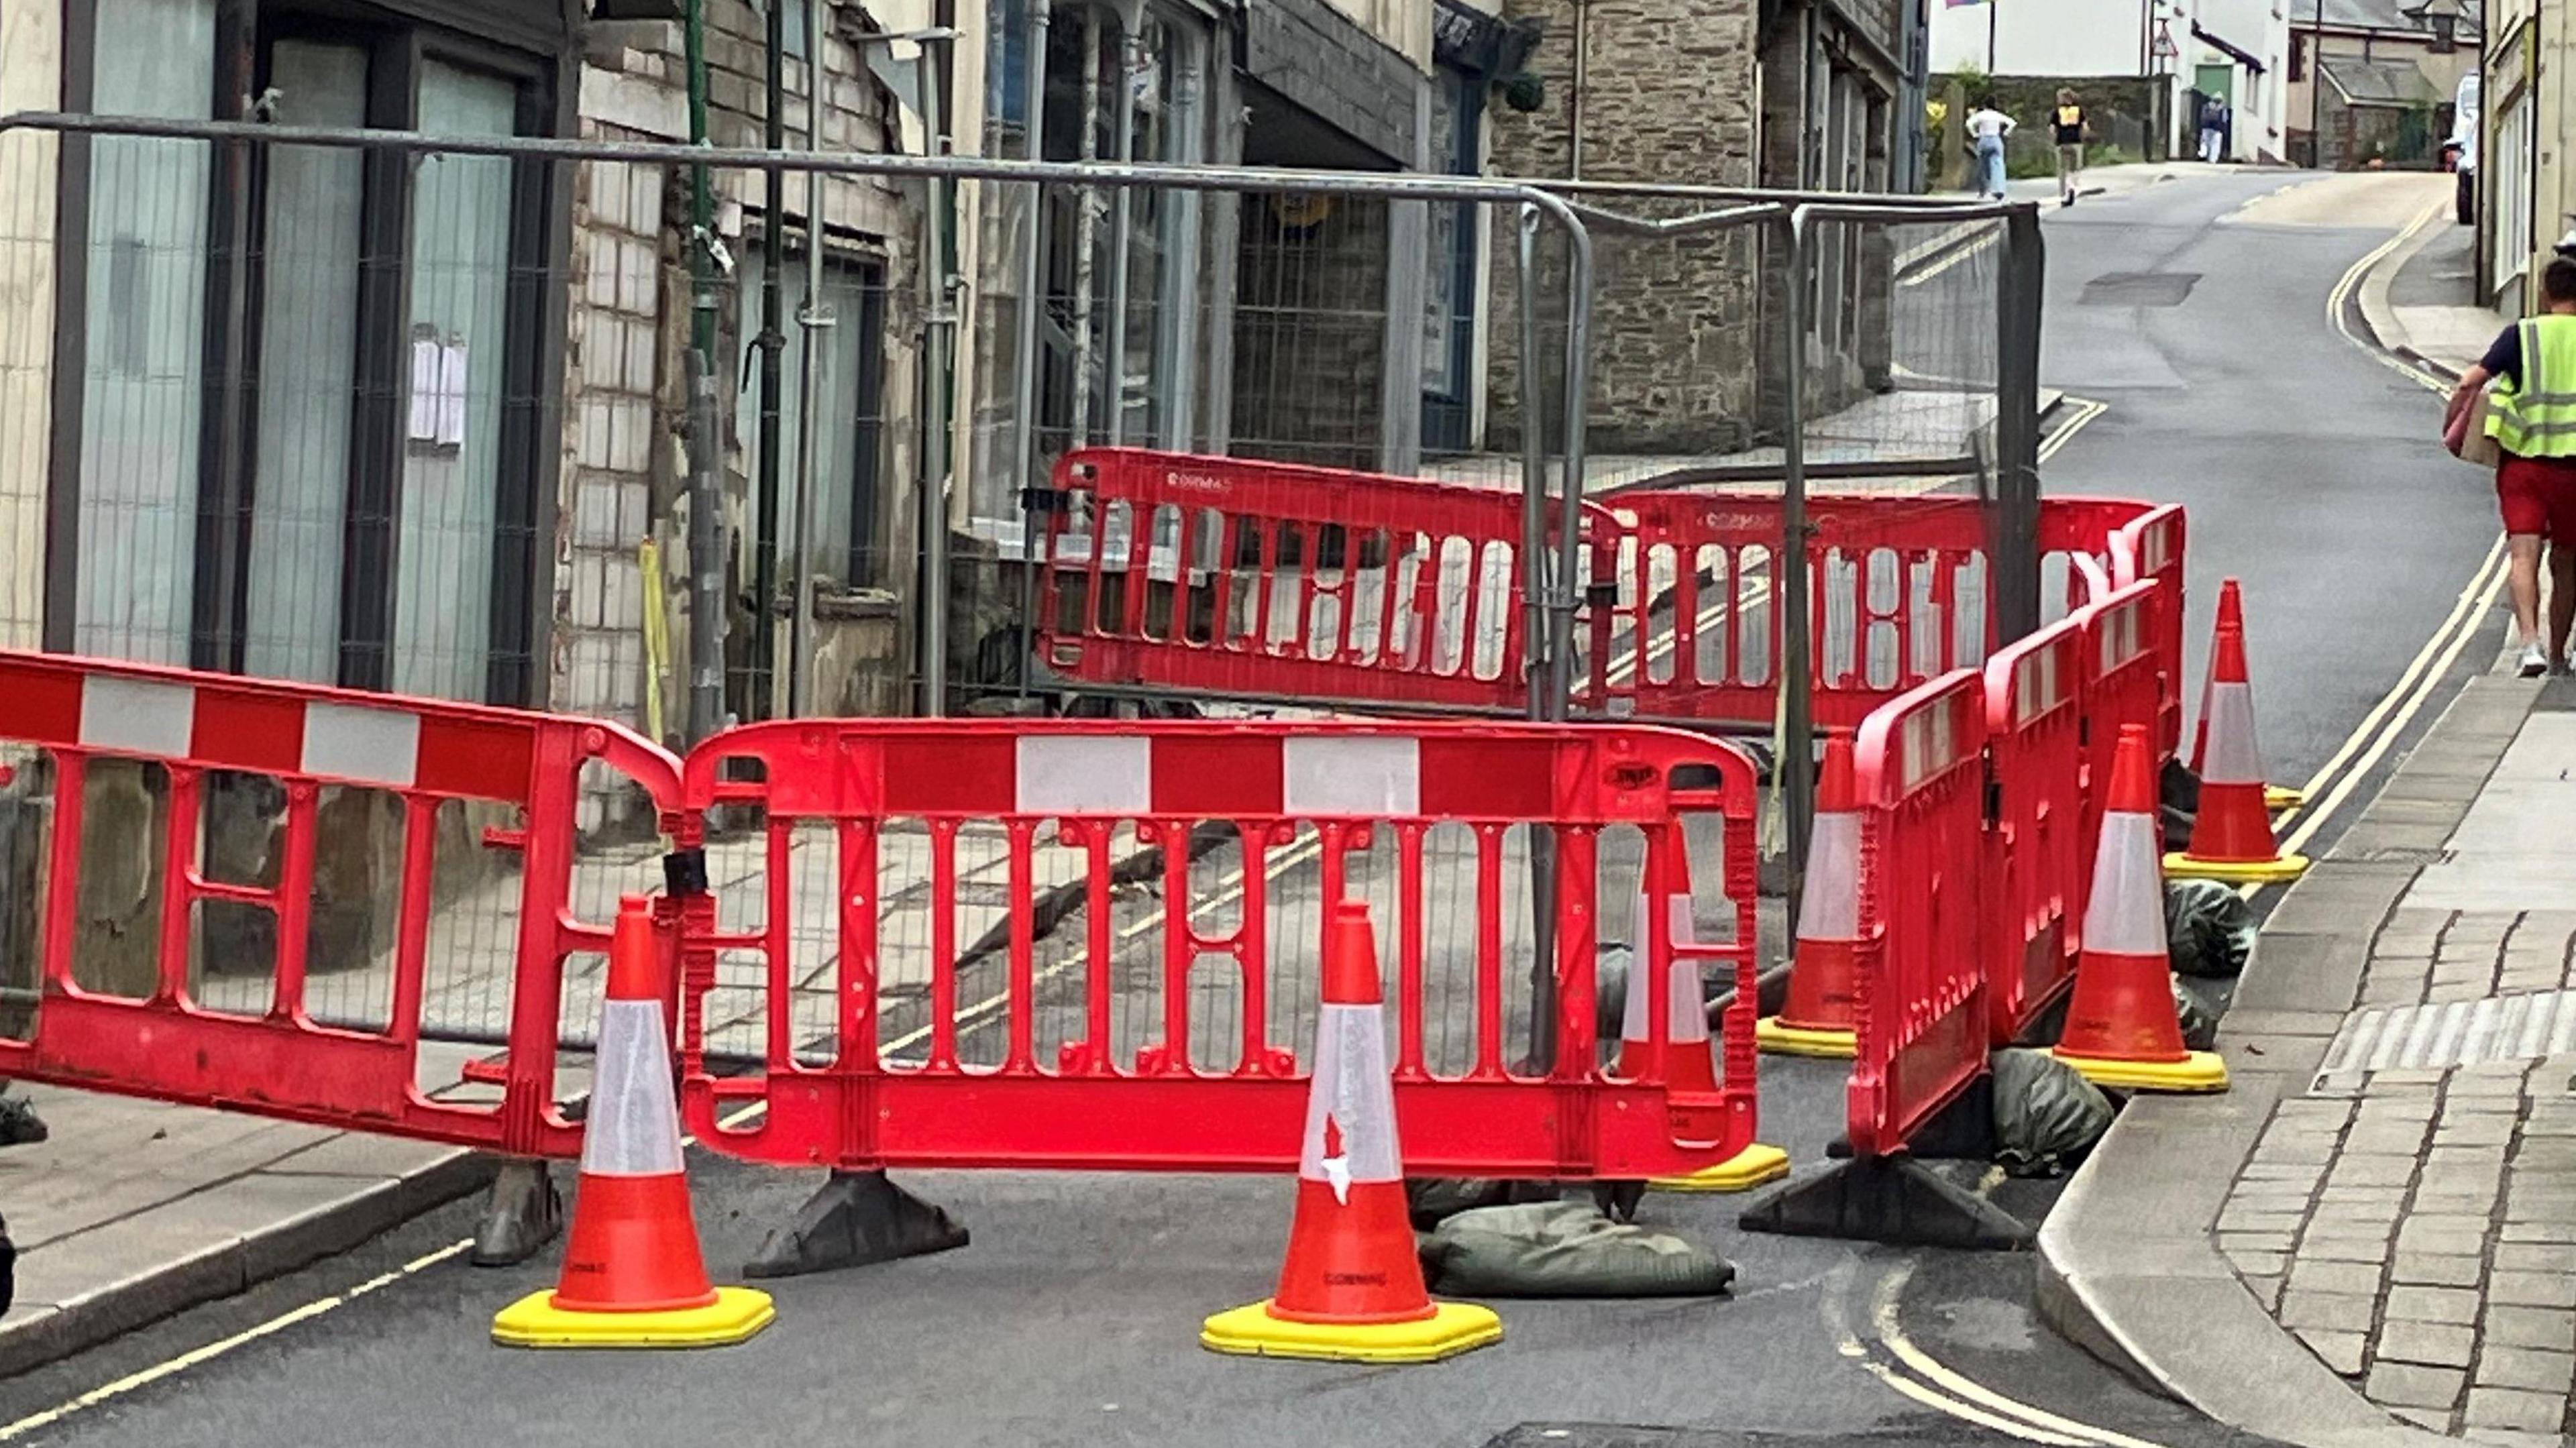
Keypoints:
pixel 2309 470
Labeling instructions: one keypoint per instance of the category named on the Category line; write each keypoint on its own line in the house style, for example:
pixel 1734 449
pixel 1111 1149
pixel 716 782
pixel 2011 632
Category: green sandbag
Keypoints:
pixel 1433 1200
pixel 2209 929
pixel 1564 1249
pixel 2046 1116
pixel 2198 1002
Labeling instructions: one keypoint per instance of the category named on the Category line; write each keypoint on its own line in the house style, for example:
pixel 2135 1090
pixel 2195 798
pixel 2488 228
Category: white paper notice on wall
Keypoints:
pixel 437 412
pixel 425 355
pixel 451 393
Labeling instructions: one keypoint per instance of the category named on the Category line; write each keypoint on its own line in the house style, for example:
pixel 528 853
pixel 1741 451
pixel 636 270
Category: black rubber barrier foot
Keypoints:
pixel 522 1214
pixel 856 1218
pixel 1896 1200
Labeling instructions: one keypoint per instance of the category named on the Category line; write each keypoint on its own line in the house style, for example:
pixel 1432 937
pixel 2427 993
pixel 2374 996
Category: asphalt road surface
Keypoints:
pixel 2310 471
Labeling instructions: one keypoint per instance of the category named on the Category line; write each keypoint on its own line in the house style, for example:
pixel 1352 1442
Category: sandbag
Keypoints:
pixel 2209 929
pixel 1433 1200
pixel 2198 1003
pixel 1564 1249
pixel 2046 1116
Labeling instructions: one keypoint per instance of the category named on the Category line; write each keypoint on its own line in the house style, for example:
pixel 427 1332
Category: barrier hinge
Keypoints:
pixel 684 872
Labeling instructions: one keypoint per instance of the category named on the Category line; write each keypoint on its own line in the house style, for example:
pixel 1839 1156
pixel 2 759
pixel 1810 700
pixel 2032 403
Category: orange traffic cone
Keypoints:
pixel 1816 1019
pixel 2121 1026
pixel 632 1276
pixel 1351 1288
pixel 2231 614
pixel 2231 836
pixel 1689 1059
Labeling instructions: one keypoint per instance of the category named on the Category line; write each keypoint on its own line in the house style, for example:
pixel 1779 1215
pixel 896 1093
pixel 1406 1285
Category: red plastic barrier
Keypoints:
pixel 1885 580
pixel 2151 546
pixel 1920 1013
pixel 2128 680
pixel 1315 585
pixel 1222 576
pixel 2035 844
pixel 1088 1062
pixel 69 717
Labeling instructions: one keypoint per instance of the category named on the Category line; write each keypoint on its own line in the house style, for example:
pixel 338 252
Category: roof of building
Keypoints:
pixel 2374 15
pixel 2380 83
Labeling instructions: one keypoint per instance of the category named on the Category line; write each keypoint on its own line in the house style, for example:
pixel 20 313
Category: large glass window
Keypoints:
pixel 1118 278
pixel 1449 291
pixel 460 267
pixel 142 386
pixel 849 421
pixel 308 364
pixel 299 373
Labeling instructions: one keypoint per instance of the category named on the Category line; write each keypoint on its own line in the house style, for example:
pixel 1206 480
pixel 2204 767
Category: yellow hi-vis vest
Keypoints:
pixel 2538 418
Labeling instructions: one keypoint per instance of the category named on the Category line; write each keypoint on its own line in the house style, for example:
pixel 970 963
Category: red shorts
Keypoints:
pixel 2538 495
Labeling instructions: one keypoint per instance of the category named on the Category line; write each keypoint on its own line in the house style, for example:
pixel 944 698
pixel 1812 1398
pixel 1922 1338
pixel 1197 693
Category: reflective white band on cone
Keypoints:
pixel 1686 1014
pixel 2125 915
pixel 1830 909
pixel 634 1124
pixel 2231 755
pixel 1350 1106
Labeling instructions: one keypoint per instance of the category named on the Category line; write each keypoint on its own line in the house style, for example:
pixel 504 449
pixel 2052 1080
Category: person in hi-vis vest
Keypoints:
pixel 2533 420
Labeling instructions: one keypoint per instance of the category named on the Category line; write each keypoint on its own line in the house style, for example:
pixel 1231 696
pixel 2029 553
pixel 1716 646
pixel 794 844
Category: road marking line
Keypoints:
pixel 2362 766
pixel 1830 1308
pixel 2352 277
pixel 2088 409
pixel 1953 259
pixel 1954 1408
pixel 1890 1333
pixel 319 1307
pixel 2471 604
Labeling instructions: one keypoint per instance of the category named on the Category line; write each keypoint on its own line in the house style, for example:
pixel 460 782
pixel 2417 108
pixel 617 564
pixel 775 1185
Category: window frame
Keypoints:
pixel 400 42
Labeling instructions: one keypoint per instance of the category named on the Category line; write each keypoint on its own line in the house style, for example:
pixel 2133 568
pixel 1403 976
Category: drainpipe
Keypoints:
pixel 1574 102
pixel 706 488
pixel 1086 235
pixel 816 319
pixel 772 342
pixel 1025 419
pixel 938 377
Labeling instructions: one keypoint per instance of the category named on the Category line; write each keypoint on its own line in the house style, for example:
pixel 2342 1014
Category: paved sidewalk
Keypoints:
pixel 2372 1238
pixel 2422 304
pixel 133 1210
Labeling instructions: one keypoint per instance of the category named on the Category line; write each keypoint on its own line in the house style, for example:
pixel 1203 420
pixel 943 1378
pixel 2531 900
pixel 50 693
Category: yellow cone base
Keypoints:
pixel 1452 1328
pixel 1742 1172
pixel 2203 1072
pixel 2281 796
pixel 2258 872
pixel 1780 1039
pixel 534 1321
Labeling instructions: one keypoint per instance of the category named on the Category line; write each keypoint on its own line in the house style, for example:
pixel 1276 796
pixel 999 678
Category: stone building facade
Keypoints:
pixel 1664 92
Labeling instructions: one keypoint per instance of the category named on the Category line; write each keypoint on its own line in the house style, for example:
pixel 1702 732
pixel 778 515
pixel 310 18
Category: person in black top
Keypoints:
pixel 2069 128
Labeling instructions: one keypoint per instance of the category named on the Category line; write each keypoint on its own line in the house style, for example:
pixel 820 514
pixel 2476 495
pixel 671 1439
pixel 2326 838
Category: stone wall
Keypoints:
pixel 1333 66
pixel 1668 100
pixel 2125 111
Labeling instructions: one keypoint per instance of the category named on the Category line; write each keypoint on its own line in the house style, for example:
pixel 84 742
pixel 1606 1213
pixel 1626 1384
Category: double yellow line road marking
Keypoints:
pixel 1908 1369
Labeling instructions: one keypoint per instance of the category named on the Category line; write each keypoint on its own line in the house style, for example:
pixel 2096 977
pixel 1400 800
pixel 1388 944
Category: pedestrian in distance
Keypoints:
pixel 2213 130
pixel 1987 128
pixel 2070 130
pixel 2532 417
